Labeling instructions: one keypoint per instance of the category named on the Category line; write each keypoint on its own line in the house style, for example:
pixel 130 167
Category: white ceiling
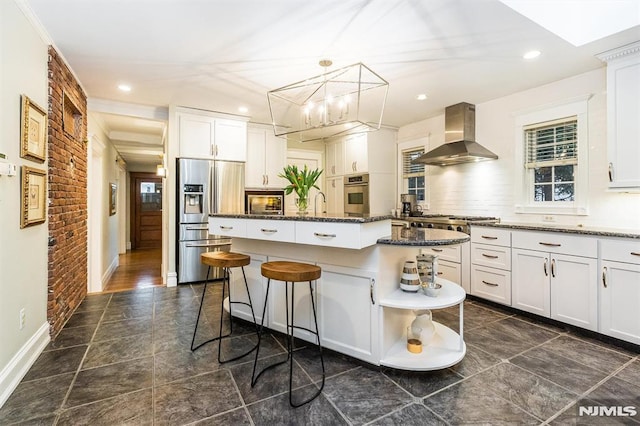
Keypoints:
pixel 223 54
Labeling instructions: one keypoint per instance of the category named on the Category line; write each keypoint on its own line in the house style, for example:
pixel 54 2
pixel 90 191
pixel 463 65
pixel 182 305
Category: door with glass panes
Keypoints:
pixel 146 210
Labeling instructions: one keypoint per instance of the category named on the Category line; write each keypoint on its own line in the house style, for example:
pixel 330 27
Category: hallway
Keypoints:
pixel 138 269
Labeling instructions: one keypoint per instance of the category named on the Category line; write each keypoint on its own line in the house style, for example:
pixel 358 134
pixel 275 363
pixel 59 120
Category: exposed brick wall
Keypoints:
pixel 67 157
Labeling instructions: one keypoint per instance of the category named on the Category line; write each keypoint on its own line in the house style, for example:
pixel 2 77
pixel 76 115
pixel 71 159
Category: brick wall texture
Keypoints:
pixel 67 156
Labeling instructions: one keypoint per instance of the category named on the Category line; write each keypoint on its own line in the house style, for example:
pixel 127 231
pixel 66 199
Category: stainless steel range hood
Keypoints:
pixel 459 136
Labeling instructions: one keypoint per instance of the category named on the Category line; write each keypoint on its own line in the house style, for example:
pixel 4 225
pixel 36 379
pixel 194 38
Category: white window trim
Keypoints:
pixel 422 143
pixel 577 107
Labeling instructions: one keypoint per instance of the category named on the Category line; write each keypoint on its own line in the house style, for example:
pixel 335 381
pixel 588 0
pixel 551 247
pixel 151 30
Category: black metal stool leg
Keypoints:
pixel 195 330
pixel 317 333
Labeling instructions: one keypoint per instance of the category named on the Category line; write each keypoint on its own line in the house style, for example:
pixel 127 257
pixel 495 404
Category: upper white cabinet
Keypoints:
pixel 335 158
pixel 362 153
pixel 619 285
pixel 554 275
pixel 356 154
pixel 210 136
pixel 623 110
pixel 266 157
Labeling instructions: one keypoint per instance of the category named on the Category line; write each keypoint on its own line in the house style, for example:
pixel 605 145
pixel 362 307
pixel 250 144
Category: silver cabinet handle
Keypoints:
pixel 553 268
pixel 633 253
pixel 610 172
pixel 604 277
pixel 372 283
pixel 268 231
pixel 549 244
pixel 487 237
pixel 191 228
pixel 321 235
pixel 490 256
pixel 546 274
pixel 488 283
pixel 267 176
pixel 226 228
pixel 207 245
pixel 216 150
pixel 437 250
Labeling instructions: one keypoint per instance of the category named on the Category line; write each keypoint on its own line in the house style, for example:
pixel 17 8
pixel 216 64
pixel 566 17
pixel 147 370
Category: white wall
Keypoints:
pixel 490 188
pixel 23 252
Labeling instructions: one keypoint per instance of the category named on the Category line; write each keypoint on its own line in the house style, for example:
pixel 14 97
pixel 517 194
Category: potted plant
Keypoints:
pixel 300 181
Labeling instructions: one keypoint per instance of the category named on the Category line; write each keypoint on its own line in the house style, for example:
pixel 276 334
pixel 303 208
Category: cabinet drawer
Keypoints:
pixel 493 236
pixel 556 242
pixel 492 284
pixel 272 230
pixel 329 234
pixel 450 271
pixel 228 227
pixel 621 251
pixel 450 253
pixel 491 256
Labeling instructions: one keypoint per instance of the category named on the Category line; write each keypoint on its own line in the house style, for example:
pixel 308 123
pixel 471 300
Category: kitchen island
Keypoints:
pixel 361 310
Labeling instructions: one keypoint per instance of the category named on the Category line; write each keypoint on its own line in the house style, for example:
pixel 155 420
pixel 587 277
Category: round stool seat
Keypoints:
pixel 225 259
pixel 290 271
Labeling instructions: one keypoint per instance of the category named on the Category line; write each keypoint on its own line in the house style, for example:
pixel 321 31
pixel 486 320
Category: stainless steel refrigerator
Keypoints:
pixel 204 187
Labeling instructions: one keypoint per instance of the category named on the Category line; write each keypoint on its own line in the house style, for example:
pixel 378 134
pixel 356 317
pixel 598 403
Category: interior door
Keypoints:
pixel 146 214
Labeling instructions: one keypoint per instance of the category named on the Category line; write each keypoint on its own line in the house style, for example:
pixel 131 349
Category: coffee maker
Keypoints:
pixel 408 203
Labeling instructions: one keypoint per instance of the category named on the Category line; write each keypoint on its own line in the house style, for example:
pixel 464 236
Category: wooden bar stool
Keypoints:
pixel 225 260
pixel 290 272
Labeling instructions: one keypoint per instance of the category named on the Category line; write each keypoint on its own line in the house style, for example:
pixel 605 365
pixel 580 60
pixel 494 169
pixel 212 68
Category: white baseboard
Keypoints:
pixel 110 270
pixel 20 364
pixel 172 279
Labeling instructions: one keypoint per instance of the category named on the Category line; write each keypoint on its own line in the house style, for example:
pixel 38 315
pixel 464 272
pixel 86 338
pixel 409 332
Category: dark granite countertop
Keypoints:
pixel 322 217
pixel 423 237
pixel 566 229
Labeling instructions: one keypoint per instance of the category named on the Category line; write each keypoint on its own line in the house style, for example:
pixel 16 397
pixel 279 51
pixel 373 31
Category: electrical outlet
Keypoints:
pixel 22 318
pixel 548 219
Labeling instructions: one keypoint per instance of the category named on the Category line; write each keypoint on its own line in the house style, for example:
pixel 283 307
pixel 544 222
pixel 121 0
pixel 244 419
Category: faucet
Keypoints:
pixel 315 201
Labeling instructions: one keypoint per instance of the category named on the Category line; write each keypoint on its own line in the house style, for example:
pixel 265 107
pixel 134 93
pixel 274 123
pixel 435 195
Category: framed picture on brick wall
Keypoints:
pixel 33 131
pixel 33 197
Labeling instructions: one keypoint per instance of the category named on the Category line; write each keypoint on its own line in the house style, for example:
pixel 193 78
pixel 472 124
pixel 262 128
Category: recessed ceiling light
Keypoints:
pixel 532 54
pixel 124 87
pixel 243 109
pixel 421 97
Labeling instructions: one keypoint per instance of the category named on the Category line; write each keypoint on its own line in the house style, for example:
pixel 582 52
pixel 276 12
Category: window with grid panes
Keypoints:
pixel 413 174
pixel 551 160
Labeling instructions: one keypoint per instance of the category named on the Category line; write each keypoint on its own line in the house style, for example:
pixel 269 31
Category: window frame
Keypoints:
pixel 578 108
pixel 412 145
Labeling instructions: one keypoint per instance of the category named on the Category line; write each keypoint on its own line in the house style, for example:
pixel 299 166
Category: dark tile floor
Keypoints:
pixel 124 359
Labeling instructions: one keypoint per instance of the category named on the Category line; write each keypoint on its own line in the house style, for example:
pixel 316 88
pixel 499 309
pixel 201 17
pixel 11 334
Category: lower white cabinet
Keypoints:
pixel 619 288
pixel 553 284
pixel 257 286
pixel 348 312
pixel 491 264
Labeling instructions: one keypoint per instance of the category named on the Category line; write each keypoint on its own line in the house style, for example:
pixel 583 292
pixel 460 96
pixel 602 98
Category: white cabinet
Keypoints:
pixel 356 154
pixel 271 230
pixel 491 264
pixel 449 261
pixel 347 312
pixel 554 275
pixel 227 227
pixel 266 157
pixel 619 288
pixel 204 135
pixel 335 195
pixel 623 110
pixel 335 158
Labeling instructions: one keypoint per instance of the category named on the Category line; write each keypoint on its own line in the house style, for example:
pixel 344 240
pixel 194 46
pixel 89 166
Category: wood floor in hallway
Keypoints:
pixel 140 268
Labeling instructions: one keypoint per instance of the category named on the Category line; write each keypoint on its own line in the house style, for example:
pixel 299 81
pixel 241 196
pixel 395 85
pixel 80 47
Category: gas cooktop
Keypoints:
pixel 450 222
